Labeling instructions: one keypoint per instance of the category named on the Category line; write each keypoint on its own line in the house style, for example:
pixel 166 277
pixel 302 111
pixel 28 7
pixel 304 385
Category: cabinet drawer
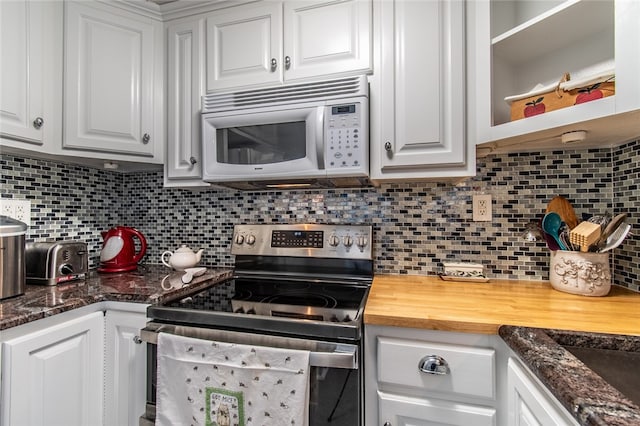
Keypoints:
pixel 471 370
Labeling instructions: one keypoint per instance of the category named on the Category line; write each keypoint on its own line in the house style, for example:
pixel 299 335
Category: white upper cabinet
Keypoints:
pixel 27 40
pixel 244 46
pixel 324 38
pixel 418 91
pixel 272 42
pixel 112 73
pixel 185 86
pixel 520 45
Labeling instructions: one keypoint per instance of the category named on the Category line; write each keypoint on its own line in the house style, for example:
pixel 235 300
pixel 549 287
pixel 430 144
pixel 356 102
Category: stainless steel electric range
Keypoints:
pixel 301 286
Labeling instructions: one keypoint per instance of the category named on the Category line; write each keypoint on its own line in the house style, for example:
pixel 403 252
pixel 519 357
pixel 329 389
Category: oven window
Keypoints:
pixel 262 144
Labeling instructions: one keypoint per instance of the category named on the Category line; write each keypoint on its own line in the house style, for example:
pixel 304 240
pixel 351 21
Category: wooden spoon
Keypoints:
pixel 563 207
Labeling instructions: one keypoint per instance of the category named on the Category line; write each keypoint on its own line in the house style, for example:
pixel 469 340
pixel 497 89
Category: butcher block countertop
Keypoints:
pixel 532 318
pixel 429 302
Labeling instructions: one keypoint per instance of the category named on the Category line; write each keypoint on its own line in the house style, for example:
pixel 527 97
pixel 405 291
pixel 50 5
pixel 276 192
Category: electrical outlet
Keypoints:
pixel 482 208
pixel 16 209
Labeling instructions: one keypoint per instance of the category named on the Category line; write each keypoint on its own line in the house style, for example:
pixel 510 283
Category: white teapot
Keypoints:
pixel 182 259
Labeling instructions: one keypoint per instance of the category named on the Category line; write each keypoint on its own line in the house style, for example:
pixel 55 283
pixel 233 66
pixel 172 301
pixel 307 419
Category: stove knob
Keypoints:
pixel 334 241
pixel 239 239
pixel 251 239
pixel 348 241
pixel 251 311
pixel 361 242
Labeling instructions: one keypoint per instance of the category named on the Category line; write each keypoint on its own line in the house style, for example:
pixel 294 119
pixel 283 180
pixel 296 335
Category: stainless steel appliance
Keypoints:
pixel 12 265
pixel 313 134
pixel 55 262
pixel 300 286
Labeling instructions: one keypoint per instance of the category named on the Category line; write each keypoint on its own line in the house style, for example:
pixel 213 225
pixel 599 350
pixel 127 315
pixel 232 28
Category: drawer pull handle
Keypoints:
pixel 434 364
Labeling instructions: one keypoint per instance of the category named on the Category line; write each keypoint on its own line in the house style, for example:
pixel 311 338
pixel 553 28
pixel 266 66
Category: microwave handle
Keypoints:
pixel 320 137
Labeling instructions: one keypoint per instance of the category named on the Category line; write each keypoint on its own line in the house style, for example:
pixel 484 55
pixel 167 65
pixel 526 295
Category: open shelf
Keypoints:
pixel 571 37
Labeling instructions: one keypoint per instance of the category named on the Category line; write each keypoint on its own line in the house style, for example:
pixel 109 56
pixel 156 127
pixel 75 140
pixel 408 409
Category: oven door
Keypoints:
pixel 266 143
pixel 335 376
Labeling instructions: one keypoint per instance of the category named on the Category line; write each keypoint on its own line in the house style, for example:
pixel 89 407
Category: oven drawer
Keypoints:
pixel 437 367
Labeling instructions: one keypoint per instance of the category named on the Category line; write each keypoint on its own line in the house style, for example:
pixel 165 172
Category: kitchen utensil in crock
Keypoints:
pixel 551 223
pixel 617 237
pixel 608 230
pixel 563 207
pixel 119 249
pixel 182 259
pixel 584 235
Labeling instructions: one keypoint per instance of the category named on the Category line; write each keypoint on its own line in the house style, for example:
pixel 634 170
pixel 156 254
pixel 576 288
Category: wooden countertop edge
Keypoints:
pixel 427 302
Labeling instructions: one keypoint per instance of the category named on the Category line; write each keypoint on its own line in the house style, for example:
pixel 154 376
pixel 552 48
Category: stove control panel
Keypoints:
pixel 306 240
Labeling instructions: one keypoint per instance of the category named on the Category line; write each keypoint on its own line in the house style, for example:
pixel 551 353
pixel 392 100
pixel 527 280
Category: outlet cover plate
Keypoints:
pixel 482 211
pixel 16 209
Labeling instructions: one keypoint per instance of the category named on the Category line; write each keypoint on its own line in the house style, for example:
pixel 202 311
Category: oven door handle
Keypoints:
pixel 321 354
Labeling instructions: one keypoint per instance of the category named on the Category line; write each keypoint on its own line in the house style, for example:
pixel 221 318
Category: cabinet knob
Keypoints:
pixel 38 122
pixel 287 62
pixel 137 340
pixel 146 138
pixel 387 424
pixel 274 64
pixel 387 146
pixel 193 160
pixel 434 364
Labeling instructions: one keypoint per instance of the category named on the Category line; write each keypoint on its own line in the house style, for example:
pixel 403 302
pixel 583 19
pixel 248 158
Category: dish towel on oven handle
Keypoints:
pixel 201 382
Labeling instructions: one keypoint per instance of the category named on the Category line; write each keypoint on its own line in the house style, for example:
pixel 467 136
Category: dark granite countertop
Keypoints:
pixel 587 396
pixel 152 284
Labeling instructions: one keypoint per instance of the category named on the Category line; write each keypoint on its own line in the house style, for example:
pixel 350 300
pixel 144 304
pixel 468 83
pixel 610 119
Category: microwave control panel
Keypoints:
pixel 346 141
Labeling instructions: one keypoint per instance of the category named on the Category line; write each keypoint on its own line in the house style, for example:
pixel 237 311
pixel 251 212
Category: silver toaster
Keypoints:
pixel 54 262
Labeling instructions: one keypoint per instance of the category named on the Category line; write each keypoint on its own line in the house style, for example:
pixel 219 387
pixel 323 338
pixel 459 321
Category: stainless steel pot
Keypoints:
pixel 12 262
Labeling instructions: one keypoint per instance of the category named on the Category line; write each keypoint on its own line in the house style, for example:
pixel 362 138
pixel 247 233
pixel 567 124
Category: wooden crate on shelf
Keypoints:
pixel 558 98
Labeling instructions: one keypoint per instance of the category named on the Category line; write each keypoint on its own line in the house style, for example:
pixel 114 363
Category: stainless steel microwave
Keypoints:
pixel 298 135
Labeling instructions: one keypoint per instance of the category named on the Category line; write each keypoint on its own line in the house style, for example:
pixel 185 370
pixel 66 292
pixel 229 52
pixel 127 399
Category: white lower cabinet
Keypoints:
pixel 421 377
pixel 530 404
pixel 82 367
pixel 125 368
pixel 53 376
pixel 396 410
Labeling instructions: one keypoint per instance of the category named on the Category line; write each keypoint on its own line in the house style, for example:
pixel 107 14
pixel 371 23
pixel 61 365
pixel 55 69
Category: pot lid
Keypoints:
pixel 10 226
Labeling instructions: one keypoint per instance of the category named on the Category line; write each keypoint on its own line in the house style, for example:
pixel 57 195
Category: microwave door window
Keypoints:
pixel 261 144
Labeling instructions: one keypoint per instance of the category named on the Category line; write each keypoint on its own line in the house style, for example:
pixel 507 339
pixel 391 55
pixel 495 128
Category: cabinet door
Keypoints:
pixel 528 404
pixel 326 37
pixel 21 50
pixel 418 93
pixel 244 46
pixel 406 411
pixel 54 376
pixel 185 59
pixel 109 80
pixel 125 368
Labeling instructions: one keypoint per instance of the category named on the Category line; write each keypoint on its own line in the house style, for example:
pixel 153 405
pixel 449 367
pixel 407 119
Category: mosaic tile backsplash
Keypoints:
pixel 417 225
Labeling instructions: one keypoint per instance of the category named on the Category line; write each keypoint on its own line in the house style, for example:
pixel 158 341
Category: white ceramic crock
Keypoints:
pixel 575 272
